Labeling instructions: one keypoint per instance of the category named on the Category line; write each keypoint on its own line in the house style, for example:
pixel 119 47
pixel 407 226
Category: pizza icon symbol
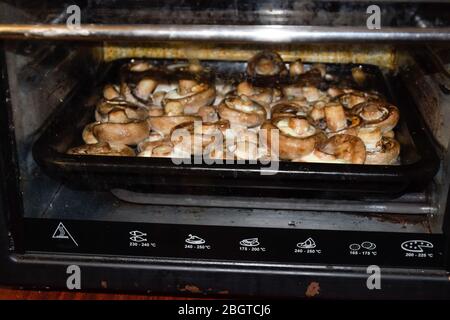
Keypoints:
pixel 416 245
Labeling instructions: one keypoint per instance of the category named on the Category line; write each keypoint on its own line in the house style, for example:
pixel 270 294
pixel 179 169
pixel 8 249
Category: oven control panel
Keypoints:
pixel 234 243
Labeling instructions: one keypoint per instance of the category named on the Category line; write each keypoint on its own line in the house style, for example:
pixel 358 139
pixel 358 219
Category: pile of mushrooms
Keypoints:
pixel 287 111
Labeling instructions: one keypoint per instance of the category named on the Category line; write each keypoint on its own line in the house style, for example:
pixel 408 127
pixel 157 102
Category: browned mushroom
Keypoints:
pixel 386 152
pixel 340 148
pixel 339 120
pixel 138 66
pixel 242 111
pixel 296 68
pixel 158 148
pixel 297 136
pixel 155 111
pixel 103 149
pixel 334 91
pixel 335 117
pixel 193 137
pixel 264 96
pixel 245 146
pixel 144 88
pixel 266 64
pixel 370 137
pixel 377 114
pixel 208 114
pixel 351 98
pixel 130 133
pixel 111 92
pixel 198 96
pixel 119 111
pixel 292 107
pixel 165 124
pixel 321 68
pixel 359 76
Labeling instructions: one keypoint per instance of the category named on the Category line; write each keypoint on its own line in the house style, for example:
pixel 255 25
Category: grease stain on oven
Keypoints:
pixel 312 290
pixel 190 288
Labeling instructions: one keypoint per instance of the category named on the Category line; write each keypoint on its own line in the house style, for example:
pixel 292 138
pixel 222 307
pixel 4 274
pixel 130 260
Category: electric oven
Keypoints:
pixel 353 202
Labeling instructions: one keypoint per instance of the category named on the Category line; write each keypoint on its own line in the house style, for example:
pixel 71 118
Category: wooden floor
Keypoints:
pixel 13 294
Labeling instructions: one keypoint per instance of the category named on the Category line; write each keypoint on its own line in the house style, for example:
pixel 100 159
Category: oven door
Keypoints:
pixel 229 233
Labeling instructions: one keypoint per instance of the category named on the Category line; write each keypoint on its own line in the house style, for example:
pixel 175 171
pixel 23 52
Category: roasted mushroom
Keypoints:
pixel 103 149
pixel 351 98
pixel 301 91
pixel 339 120
pixel 266 66
pixel 312 94
pixel 138 66
pixel 321 68
pixel 297 136
pixel 111 92
pixel 158 148
pixel 245 147
pixel 377 114
pixel 264 96
pixel 208 114
pixel 370 137
pixel 359 76
pixel 119 111
pixel 138 81
pixel 242 111
pixel 164 124
pixel 192 137
pixel 155 111
pixel 296 68
pixel 340 148
pixel 191 98
pixel 290 108
pixel 385 152
pixel 130 133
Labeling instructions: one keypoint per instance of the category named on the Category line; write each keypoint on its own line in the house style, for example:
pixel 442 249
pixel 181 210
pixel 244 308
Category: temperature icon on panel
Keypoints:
pixel 193 239
pixel 307 244
pixel 416 246
pixel 138 236
pixel 366 245
pixel 252 242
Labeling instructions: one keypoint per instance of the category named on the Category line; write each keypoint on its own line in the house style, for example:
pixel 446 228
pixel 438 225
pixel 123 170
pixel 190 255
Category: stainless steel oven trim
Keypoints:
pixel 222 33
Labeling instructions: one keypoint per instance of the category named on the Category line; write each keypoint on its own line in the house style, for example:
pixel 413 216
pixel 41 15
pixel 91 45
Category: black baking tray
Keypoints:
pixel 419 161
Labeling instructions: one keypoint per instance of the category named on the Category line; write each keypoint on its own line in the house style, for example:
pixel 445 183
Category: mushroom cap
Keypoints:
pixel 130 133
pixel 165 124
pixel 200 95
pixel 192 137
pixel 296 68
pixel 242 111
pixel 111 91
pixel 159 148
pixel 387 152
pixel 208 114
pixel 119 111
pixel 266 63
pixel 290 108
pixel 342 147
pixel 351 98
pixel 377 114
pixel 290 144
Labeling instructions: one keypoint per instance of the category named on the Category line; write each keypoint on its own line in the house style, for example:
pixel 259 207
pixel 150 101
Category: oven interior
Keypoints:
pixel 43 74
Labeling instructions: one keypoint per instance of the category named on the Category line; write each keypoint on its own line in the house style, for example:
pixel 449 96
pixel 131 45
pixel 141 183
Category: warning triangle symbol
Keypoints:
pixel 61 232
